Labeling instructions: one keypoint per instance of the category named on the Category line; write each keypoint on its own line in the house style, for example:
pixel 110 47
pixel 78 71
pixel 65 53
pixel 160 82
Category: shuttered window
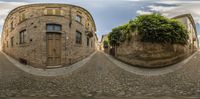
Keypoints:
pixel 22 17
pixel 12 41
pixel 78 37
pixel 53 11
pixel 11 26
pixel 53 27
pixel 22 36
pixel 57 12
pixel 88 41
pixel 78 18
pixel 49 11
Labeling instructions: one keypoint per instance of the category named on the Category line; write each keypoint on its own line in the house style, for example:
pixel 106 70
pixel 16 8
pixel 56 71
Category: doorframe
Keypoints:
pixel 56 66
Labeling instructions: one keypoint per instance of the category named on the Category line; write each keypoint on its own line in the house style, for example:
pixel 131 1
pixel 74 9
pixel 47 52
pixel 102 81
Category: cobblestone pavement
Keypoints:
pixel 100 78
pixel 61 97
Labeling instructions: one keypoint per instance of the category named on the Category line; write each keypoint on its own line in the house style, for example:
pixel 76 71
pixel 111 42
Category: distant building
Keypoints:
pixel 0 45
pixel 199 39
pixel 103 39
pixel 189 23
pixel 96 42
pixel 49 35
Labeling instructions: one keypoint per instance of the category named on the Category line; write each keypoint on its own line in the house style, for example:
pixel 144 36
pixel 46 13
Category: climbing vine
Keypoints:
pixel 151 28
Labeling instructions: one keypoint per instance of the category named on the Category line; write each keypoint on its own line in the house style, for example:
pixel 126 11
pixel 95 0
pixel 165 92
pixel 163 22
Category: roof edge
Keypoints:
pixel 39 4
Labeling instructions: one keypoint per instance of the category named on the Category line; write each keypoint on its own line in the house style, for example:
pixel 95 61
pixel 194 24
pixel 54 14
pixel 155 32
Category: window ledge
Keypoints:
pixel 78 45
pixel 55 15
pixel 54 31
pixel 22 21
pixel 79 22
pixel 23 45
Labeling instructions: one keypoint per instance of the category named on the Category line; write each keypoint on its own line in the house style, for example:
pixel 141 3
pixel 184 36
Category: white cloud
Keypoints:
pixel 160 8
pixel 141 12
pixel 5 8
pixel 178 7
pixel 1 22
pixel 185 9
pixel 178 1
pixel 137 0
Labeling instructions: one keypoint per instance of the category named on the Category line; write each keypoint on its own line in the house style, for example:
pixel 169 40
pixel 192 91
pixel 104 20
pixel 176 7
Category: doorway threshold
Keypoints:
pixel 57 66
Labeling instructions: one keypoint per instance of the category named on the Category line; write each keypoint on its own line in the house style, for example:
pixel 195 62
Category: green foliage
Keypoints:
pixel 151 28
pixel 115 36
pixel 157 28
pixel 105 44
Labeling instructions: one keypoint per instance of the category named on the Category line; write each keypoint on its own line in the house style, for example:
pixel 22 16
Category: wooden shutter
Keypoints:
pixel 49 11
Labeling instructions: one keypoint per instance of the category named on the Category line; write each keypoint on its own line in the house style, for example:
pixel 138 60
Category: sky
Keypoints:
pixel 108 14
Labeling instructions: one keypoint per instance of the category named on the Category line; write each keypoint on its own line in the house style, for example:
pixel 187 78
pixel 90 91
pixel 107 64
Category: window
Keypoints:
pixel 53 27
pixel 22 36
pixel 12 41
pixel 49 11
pixel 7 43
pixel 78 37
pixel 22 17
pixel 57 12
pixel 53 11
pixel 6 32
pixel 88 41
pixel 11 26
pixel 78 18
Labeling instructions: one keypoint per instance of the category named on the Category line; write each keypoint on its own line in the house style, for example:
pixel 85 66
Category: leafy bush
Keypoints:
pixel 157 28
pixel 116 35
pixel 105 44
pixel 151 28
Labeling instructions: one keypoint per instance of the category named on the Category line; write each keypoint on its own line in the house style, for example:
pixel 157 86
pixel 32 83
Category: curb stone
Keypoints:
pixel 147 71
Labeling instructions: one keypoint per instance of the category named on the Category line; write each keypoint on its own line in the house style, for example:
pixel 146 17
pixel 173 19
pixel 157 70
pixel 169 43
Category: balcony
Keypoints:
pixel 89 33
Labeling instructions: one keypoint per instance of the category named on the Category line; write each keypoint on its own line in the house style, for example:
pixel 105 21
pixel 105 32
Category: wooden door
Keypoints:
pixel 53 49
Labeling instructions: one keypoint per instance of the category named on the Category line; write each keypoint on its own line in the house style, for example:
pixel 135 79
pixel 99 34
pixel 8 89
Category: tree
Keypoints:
pixel 105 44
pixel 151 28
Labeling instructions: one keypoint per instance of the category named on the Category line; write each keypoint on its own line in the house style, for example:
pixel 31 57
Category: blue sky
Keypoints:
pixel 111 13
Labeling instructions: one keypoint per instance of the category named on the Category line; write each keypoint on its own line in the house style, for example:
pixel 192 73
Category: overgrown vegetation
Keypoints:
pixel 105 44
pixel 152 28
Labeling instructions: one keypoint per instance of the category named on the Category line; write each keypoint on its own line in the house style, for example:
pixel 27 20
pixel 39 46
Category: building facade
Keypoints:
pixel 189 23
pixel 104 38
pixel 49 35
pixel 0 45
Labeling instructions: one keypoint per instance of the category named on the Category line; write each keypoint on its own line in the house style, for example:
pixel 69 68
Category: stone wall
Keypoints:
pixel 34 51
pixel 151 55
pixel 0 45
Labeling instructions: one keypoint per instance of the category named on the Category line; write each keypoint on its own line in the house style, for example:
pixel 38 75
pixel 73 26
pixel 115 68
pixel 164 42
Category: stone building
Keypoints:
pixel 189 23
pixel 96 43
pixel 0 44
pixel 49 35
pixel 104 38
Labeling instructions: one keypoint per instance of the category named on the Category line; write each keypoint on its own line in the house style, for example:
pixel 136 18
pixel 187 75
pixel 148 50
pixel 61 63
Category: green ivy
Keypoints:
pixel 151 28
pixel 157 28
pixel 105 44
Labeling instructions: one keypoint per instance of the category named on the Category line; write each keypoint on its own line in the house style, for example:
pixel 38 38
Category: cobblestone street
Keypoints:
pixel 100 78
